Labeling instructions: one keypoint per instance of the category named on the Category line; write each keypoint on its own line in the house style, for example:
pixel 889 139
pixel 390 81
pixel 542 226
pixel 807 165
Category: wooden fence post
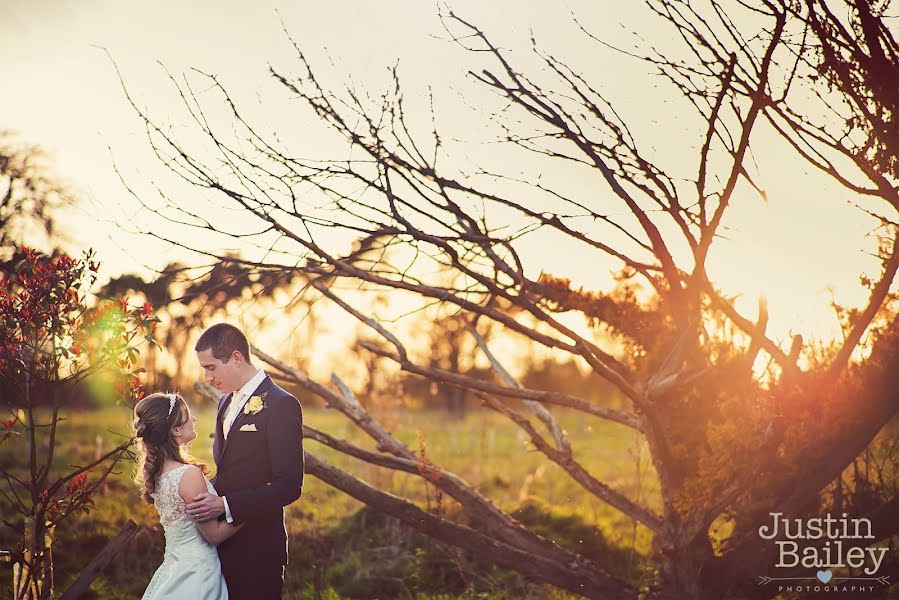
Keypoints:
pixel 92 571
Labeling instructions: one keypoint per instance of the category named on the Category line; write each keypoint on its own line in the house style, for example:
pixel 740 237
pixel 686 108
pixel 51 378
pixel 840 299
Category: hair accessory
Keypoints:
pixel 172 399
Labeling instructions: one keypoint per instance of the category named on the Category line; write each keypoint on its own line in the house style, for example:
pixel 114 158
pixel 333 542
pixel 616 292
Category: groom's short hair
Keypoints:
pixel 224 339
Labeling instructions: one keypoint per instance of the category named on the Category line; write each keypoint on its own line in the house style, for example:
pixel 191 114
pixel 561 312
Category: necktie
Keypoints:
pixel 232 412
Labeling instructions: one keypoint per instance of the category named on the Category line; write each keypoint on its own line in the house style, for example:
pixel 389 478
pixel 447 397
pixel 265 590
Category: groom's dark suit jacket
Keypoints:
pixel 260 472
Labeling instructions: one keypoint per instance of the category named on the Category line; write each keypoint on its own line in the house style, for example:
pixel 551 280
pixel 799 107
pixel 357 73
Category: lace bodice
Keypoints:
pixel 166 498
pixel 181 532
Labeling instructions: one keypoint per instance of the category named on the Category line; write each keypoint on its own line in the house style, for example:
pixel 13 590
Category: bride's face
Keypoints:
pixel 187 431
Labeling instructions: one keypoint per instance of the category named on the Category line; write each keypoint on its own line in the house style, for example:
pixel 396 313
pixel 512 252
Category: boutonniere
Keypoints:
pixel 255 404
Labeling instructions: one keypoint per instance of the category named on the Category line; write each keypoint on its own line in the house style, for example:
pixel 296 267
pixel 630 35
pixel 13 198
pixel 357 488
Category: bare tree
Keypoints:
pixel 825 91
pixel 722 444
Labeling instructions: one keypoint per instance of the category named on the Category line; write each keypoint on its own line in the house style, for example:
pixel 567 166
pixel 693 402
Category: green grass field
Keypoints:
pixel 339 549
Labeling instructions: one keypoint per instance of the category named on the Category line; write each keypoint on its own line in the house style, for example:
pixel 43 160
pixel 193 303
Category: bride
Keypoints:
pixel 169 477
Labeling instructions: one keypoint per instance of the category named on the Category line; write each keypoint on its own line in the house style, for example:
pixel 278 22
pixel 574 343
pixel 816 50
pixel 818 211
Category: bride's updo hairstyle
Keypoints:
pixel 155 416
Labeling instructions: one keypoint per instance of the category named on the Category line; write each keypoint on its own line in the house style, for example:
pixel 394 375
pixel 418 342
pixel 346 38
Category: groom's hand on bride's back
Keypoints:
pixel 206 507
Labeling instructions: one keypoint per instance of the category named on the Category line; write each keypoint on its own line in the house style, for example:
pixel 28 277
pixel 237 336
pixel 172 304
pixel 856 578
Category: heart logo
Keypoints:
pixel 824 576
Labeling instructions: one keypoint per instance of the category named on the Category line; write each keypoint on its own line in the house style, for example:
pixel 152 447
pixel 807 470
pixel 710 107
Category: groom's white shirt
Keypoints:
pixel 245 392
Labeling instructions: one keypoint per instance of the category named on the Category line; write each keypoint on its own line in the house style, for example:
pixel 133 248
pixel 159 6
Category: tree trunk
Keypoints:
pixel 547 566
pixel 680 568
pixel 35 575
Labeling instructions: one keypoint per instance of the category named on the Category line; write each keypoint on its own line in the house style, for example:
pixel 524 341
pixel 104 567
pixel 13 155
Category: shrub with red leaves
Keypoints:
pixel 52 337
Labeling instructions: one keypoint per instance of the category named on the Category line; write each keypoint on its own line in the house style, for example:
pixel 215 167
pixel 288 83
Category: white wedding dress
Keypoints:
pixel 190 569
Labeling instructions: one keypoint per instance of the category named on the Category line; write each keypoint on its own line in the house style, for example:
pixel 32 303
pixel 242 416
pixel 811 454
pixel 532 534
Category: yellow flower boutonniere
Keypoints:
pixel 255 404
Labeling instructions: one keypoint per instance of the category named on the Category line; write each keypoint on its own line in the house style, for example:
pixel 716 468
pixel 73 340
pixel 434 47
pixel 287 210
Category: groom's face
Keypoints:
pixel 222 375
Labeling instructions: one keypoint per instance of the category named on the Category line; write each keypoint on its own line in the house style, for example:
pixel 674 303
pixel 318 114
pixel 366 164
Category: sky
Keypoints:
pixel 62 93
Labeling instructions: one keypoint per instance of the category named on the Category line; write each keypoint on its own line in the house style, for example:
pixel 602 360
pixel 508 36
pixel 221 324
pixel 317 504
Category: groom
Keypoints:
pixel 258 453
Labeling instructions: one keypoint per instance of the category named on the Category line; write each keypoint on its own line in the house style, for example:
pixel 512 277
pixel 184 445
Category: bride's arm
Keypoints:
pixel 192 483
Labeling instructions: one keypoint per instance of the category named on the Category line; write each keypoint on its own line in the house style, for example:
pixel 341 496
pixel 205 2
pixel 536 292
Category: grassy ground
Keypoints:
pixel 339 549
